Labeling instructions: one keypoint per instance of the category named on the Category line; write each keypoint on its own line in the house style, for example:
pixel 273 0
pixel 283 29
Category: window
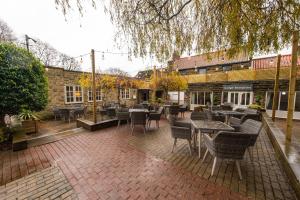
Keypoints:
pixel 297 102
pixel 202 71
pixel 73 94
pixel 226 68
pixel 283 101
pixel 225 97
pixel 125 93
pixel 234 98
pixel 245 99
pixel 201 98
pixel 98 94
pixel 269 100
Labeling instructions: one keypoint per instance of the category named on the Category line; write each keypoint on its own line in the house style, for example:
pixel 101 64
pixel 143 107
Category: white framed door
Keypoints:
pixel 200 98
pixel 237 99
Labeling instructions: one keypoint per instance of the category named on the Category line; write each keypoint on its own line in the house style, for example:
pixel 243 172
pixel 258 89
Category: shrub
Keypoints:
pixel 23 84
pixel 256 107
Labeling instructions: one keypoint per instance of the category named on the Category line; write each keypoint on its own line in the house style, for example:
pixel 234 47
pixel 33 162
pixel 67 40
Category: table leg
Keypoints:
pixel 226 119
pixel 194 137
pixel 199 135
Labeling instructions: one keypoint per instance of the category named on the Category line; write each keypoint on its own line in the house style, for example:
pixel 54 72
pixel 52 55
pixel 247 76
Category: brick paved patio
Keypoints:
pixel 112 164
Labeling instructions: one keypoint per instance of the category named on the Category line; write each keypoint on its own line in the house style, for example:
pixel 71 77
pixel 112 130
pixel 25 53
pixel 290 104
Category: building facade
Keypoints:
pixel 239 80
pixel 64 90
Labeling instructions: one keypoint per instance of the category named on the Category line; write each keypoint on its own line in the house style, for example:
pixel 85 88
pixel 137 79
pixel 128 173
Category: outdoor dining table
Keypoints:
pixel 204 126
pixel 228 113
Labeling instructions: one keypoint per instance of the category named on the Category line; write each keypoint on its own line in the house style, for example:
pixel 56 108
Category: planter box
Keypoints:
pixel 30 126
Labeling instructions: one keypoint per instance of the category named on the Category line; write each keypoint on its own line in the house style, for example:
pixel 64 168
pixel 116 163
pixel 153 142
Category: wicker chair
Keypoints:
pixel 183 109
pixel 111 111
pixel 237 122
pixel 79 112
pixel 66 114
pixel 138 118
pixel 181 130
pixel 122 116
pixel 227 145
pixel 56 113
pixel 155 116
pixel 174 110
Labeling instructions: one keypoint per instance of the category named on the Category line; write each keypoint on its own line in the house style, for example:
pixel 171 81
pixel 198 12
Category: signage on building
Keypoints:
pixel 238 87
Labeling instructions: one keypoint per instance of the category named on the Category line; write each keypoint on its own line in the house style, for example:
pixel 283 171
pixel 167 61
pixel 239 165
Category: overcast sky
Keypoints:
pixel 74 35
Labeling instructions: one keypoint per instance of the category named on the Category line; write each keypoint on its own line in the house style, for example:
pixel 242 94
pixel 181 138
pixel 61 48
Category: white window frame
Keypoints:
pixel 239 94
pixel 125 93
pixel 74 87
pixel 98 96
pixel 204 97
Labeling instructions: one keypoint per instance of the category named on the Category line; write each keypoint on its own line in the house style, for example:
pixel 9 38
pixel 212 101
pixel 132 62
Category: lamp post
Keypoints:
pixel 27 38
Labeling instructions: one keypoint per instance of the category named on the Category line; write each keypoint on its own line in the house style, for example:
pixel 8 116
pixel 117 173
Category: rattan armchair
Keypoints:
pixel 155 116
pixel 181 130
pixel 138 118
pixel 227 145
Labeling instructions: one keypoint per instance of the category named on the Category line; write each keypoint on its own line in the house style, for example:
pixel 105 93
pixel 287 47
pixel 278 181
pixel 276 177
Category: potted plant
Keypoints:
pixel 29 121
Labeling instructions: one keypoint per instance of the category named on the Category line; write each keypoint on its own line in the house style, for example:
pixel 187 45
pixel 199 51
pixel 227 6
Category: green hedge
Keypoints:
pixel 23 84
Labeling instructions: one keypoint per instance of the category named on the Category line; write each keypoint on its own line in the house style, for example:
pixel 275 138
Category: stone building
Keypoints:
pixel 238 80
pixel 64 90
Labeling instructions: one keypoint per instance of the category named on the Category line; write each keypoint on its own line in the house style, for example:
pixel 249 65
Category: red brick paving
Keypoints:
pixel 102 165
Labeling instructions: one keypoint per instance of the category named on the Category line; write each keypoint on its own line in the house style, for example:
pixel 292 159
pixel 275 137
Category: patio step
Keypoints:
pixel 53 137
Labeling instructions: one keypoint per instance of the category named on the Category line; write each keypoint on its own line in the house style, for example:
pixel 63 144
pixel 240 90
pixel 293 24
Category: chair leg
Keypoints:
pixel 175 141
pixel 190 147
pixel 206 152
pixel 132 128
pixel 149 123
pixel 214 166
pixel 157 124
pixel 239 169
pixel 144 129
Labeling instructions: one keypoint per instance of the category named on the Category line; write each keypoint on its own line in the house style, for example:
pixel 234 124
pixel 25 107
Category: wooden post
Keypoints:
pixel 178 96
pixel 94 86
pixel 276 88
pixel 292 85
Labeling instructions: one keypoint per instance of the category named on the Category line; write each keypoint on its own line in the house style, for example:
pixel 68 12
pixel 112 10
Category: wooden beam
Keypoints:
pixel 292 85
pixel 94 86
pixel 276 88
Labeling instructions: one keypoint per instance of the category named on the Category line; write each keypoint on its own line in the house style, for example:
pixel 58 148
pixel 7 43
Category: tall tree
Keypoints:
pixel 162 27
pixel 6 33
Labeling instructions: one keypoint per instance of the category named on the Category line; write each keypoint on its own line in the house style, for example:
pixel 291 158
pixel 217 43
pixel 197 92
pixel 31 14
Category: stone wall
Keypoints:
pixel 58 78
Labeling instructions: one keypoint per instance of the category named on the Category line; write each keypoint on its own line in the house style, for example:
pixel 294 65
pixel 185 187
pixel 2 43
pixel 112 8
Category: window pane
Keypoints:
pixel 201 98
pixel 236 98
pixel 297 102
pixel 283 101
pixel 225 97
pixel 269 101
pixel 207 98
pixel 202 71
pixel 243 99
pixel 231 97
pixel 248 99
